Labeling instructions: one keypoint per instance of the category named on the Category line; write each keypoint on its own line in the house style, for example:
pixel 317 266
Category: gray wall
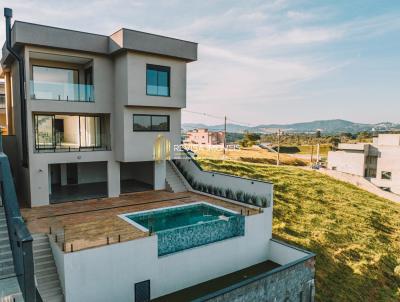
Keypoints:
pixel 92 172
pixel 292 284
pixel 141 171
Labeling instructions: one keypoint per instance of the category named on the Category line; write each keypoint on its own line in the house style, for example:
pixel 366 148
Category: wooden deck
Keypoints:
pixel 91 223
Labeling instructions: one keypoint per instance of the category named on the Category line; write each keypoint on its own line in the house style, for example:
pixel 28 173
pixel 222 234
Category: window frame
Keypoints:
pixel 151 122
pixel 159 68
pixel 98 139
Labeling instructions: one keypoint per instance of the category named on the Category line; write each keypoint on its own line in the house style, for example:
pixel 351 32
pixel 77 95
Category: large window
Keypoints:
pixel 144 122
pixel 68 132
pixel 158 80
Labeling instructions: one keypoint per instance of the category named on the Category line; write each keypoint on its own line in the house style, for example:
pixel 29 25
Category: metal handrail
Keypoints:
pixel 20 237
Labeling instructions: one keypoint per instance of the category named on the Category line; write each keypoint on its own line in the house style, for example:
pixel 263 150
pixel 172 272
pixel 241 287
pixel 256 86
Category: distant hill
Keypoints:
pixel 325 126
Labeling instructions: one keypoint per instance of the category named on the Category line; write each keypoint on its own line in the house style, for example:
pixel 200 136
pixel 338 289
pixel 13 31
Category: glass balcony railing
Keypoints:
pixel 61 91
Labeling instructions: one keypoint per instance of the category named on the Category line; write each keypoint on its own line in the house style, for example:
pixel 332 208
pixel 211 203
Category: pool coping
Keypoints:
pixel 142 228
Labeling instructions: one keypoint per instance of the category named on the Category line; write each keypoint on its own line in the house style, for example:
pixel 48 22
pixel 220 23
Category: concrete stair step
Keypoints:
pixel 43 258
pixel 40 240
pixel 51 292
pixel 6 254
pixel 44 264
pixel 47 276
pixel 4 241
pixel 6 261
pixel 59 298
pixel 41 245
pixel 5 248
pixel 42 252
pixel 49 284
pixel 7 272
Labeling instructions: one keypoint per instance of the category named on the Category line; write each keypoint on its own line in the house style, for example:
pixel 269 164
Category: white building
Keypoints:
pixel 100 116
pixel 379 161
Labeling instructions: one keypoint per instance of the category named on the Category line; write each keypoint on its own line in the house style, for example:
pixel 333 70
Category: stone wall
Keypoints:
pixel 293 284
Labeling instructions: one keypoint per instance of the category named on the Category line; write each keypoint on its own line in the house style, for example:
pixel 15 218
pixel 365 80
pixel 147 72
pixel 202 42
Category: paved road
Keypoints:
pixel 362 183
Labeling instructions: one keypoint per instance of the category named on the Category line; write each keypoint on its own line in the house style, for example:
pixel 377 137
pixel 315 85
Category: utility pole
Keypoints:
pixel 224 134
pixel 312 153
pixel 317 153
pixel 279 146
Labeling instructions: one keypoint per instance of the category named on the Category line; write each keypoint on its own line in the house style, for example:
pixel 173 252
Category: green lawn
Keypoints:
pixel 355 234
pixel 305 149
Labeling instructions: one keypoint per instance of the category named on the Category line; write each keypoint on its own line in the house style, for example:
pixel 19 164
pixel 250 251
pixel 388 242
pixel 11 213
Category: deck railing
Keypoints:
pixel 20 238
pixel 82 236
pixel 244 190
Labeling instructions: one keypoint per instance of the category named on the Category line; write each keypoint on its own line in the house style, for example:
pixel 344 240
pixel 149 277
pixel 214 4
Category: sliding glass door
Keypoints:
pixel 90 131
pixel 44 131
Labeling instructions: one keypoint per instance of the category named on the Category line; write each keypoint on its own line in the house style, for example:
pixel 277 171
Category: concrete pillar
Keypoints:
pixel 159 175
pixel 39 185
pixel 113 178
pixel 63 174
pixel 49 177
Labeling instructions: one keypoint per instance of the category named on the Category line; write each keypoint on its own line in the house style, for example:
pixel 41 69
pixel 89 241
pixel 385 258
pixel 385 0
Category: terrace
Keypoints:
pixel 92 223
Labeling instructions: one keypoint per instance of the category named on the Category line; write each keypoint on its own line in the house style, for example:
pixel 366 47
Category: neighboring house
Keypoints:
pixel 204 137
pixel 379 161
pixel 100 119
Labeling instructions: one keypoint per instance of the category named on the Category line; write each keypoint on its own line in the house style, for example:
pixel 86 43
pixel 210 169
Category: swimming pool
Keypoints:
pixel 187 226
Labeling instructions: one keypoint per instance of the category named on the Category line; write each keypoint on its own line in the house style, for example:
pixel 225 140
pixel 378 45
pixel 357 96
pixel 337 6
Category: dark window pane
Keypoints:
pixel 160 123
pixel 158 80
pixel 152 82
pixel 141 122
pixel 163 88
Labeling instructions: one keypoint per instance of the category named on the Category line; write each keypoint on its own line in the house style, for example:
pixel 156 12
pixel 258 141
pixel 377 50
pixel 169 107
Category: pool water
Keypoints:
pixel 175 217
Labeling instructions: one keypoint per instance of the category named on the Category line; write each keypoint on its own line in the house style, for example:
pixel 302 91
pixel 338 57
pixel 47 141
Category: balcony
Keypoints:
pixel 58 91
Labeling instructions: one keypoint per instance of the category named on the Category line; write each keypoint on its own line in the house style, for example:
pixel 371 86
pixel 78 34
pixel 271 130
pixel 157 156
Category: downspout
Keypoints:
pixel 21 65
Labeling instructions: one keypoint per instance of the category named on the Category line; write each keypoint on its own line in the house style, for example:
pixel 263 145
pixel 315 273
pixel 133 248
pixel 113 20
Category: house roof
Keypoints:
pixel 24 33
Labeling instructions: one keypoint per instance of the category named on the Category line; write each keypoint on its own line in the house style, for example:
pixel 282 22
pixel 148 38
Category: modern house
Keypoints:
pixel 204 137
pixel 376 161
pixel 113 211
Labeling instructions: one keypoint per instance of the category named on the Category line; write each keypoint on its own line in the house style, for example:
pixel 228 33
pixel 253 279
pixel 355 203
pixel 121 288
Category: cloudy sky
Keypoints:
pixel 262 61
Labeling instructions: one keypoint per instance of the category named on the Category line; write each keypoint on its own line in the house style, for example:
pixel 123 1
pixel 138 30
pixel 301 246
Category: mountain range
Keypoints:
pixel 325 126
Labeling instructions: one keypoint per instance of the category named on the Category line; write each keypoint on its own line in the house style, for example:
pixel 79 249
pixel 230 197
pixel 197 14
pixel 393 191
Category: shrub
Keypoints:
pixel 239 196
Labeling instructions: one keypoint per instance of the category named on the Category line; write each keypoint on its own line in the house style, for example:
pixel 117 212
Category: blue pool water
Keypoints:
pixel 170 218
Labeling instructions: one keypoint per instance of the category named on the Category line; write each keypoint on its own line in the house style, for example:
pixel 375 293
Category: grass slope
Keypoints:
pixel 355 234
pixel 253 155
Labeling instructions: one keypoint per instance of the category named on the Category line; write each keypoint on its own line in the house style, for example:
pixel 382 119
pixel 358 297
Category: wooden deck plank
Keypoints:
pixel 90 223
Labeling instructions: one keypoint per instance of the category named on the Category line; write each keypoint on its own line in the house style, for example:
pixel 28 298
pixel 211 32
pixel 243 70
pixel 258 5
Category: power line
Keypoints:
pixel 218 117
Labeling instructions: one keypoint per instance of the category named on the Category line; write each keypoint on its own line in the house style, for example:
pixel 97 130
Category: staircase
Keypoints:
pixel 9 287
pixel 173 180
pixel 48 283
pixel 6 259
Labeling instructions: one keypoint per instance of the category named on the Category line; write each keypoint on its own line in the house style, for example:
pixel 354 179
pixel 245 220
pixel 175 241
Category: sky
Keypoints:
pixel 261 62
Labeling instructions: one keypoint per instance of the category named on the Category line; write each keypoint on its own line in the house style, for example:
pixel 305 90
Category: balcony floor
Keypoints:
pixel 91 223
